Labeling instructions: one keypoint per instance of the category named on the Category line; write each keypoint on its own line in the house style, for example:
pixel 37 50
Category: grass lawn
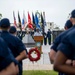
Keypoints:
pixel 40 72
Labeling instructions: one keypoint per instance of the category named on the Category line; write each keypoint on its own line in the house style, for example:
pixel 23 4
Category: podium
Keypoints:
pixel 38 41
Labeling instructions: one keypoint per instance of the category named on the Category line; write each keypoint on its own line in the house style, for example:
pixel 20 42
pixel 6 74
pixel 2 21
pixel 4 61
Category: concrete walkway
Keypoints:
pixel 42 64
pixel 37 67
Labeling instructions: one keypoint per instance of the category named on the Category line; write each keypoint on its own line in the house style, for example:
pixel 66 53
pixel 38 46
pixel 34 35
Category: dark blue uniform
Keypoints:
pixel 45 39
pixel 67 46
pixel 49 37
pixel 6 56
pixel 15 44
pixel 12 29
pixel 59 38
pixel 57 41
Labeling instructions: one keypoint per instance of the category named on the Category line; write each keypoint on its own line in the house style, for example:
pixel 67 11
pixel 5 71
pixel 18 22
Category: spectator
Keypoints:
pixel 57 41
pixel 14 43
pixel 8 64
pixel 66 50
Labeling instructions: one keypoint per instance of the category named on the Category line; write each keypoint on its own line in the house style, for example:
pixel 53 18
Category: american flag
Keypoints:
pixel 15 24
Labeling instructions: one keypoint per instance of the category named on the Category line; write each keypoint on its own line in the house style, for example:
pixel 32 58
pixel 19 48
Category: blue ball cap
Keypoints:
pixel 73 14
pixel 5 23
pixel 12 29
pixel 68 24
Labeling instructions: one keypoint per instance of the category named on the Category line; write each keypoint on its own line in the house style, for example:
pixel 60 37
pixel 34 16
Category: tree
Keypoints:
pixel 0 16
pixel 56 27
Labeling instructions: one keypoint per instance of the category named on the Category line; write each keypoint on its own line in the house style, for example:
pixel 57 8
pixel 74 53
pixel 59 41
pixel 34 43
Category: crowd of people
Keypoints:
pixel 62 53
pixel 13 51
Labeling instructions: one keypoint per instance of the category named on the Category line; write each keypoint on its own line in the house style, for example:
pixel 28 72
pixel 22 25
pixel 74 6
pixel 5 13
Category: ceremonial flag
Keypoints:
pixel 42 23
pixel 29 18
pixel 24 21
pixel 19 22
pixel 37 22
pixel 33 18
pixel 15 24
pixel 29 22
pixel 44 18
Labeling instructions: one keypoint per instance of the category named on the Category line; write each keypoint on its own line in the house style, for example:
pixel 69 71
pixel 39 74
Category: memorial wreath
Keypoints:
pixel 37 52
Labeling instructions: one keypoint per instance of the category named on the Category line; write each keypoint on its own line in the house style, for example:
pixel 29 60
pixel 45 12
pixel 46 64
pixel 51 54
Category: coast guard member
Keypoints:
pixel 45 38
pixel 57 41
pixel 8 64
pixel 13 30
pixel 15 44
pixel 37 33
pixel 49 36
pixel 66 50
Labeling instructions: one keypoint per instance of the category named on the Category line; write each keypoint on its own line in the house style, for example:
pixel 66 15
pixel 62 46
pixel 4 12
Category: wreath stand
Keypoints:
pixel 38 41
pixel 37 50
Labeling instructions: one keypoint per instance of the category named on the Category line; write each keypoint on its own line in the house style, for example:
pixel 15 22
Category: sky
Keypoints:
pixel 56 11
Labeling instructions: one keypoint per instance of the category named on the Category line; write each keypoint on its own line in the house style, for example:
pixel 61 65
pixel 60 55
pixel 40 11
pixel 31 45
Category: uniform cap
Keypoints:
pixel 5 23
pixel 68 24
pixel 12 29
pixel 73 14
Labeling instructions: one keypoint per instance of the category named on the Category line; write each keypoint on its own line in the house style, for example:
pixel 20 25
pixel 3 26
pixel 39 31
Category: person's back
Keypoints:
pixel 14 43
pixel 66 49
pixel 13 31
pixel 7 60
pixel 58 40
